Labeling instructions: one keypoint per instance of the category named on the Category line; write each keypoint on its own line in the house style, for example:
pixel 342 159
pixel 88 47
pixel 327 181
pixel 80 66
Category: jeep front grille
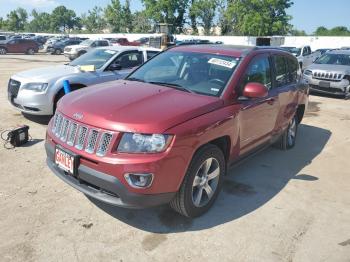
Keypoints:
pixel 104 143
pixel 13 87
pixel 91 142
pixel 81 136
pixel 327 76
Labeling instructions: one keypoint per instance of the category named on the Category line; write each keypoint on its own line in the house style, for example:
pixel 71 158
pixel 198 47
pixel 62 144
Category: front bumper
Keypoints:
pixel 71 56
pixel 31 103
pixel 104 187
pixel 335 87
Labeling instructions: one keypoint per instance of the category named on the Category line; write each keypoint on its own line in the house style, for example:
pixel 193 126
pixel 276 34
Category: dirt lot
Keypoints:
pixel 277 206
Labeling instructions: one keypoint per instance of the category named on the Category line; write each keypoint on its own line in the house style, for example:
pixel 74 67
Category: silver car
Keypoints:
pixel 37 91
pixel 330 74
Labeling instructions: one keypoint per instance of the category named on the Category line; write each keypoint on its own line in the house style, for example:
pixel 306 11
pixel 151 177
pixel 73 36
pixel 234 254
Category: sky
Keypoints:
pixel 307 14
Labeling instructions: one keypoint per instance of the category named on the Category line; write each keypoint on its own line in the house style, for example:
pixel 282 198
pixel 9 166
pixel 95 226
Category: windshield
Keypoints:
pixel 87 42
pixel 334 59
pixel 192 72
pixel 295 51
pixel 96 57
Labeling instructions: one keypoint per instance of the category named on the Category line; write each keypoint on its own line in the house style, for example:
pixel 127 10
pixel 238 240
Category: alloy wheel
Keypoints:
pixel 205 182
pixel 292 132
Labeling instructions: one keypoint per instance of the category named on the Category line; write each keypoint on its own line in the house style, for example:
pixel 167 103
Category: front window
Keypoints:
pixel 334 59
pixel 296 51
pixel 199 73
pixel 87 42
pixel 96 57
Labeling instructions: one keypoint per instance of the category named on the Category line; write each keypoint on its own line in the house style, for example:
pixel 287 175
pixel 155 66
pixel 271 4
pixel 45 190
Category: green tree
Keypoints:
pixel 193 19
pixel 224 22
pixel 321 31
pixel 63 19
pixel 204 11
pixel 94 21
pixel 40 22
pixel 339 31
pixel 141 23
pixel 126 18
pixel 17 19
pixel 296 32
pixel 167 11
pixel 2 23
pixel 259 17
pixel 113 14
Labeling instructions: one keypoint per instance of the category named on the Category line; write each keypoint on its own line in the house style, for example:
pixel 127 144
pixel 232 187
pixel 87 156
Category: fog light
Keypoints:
pixel 139 180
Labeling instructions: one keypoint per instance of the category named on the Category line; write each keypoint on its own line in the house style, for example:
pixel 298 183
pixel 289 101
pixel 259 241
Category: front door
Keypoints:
pixel 127 61
pixel 258 116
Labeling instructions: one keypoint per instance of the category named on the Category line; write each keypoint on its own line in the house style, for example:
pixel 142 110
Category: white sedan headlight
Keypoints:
pixel 308 72
pixel 36 87
pixel 143 143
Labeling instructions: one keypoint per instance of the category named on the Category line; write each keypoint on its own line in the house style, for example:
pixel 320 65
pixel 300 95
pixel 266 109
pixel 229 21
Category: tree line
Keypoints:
pixel 233 17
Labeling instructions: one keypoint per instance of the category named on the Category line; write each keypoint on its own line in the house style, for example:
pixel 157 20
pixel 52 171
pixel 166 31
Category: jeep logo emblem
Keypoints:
pixel 78 116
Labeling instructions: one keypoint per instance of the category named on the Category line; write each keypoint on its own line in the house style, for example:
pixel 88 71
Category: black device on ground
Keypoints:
pixel 17 136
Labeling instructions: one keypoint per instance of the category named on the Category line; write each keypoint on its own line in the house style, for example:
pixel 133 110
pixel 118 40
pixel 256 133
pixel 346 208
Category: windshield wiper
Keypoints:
pixel 172 85
pixel 134 79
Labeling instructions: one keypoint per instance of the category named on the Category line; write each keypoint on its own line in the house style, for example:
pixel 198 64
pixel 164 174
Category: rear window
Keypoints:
pixel 281 75
pixel 293 69
pixel 2 37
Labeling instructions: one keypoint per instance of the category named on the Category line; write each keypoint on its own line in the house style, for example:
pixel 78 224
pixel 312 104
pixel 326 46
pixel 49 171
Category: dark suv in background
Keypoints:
pixel 58 47
pixel 26 46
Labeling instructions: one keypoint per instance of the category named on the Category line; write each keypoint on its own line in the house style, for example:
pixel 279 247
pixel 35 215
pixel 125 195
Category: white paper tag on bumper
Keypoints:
pixel 221 62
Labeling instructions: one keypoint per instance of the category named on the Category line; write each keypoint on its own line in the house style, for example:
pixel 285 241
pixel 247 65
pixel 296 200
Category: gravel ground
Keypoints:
pixel 277 206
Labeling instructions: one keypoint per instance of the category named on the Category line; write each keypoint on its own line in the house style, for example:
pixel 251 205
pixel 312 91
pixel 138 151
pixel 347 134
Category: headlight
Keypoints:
pixel 141 143
pixel 37 87
pixel 307 72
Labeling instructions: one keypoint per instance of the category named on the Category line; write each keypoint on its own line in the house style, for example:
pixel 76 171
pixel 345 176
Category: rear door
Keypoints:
pixel 286 76
pixel 13 46
pixel 258 116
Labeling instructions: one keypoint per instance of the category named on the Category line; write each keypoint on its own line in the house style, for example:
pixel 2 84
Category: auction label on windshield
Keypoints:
pixel 221 62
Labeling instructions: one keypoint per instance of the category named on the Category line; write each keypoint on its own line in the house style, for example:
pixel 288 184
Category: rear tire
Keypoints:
pixel 58 52
pixel 30 51
pixel 3 51
pixel 288 138
pixel 202 182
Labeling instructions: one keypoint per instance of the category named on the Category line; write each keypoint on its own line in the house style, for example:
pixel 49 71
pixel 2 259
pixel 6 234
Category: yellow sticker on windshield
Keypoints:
pixel 87 68
pixel 221 62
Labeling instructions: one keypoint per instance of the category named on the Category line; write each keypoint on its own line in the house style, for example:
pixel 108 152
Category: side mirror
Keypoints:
pixel 255 90
pixel 115 67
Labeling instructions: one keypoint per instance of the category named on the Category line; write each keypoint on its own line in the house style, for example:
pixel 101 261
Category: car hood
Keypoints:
pixel 76 47
pixel 330 68
pixel 46 74
pixel 135 107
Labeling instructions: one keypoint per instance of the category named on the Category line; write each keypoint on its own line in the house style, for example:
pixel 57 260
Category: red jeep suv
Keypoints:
pixel 170 130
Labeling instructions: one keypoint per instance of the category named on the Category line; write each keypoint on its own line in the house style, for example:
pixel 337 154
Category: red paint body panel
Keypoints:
pixel 193 119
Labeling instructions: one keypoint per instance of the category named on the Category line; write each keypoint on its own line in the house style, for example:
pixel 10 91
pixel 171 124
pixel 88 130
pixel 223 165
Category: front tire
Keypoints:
pixel 3 51
pixel 58 52
pixel 202 182
pixel 288 138
pixel 30 51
